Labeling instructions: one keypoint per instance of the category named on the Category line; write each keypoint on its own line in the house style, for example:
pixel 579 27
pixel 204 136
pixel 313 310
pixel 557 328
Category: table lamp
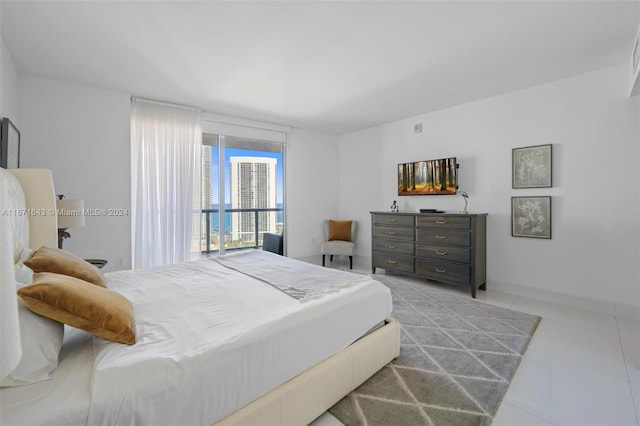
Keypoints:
pixel 466 202
pixel 70 215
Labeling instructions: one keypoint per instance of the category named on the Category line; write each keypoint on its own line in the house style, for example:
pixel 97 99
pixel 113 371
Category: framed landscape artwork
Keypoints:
pixel 531 167
pixel 531 217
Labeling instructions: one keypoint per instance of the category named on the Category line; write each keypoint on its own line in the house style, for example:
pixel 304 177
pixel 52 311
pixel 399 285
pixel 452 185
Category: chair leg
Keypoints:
pixel 331 258
pixel 350 262
pixel 323 260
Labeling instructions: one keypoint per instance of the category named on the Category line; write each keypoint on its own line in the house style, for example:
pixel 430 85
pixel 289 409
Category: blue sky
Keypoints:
pixel 236 152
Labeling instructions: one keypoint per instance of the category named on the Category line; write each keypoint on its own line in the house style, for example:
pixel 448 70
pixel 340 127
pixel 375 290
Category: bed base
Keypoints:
pixel 305 397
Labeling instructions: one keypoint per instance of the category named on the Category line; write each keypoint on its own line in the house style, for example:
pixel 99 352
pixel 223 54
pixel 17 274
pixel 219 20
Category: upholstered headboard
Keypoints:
pixel 40 207
pixel 27 220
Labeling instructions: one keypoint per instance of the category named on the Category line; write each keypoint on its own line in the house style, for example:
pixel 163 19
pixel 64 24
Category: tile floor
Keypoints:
pixel 581 368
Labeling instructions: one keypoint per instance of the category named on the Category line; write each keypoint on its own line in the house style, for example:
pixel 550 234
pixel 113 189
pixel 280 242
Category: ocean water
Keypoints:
pixel 227 219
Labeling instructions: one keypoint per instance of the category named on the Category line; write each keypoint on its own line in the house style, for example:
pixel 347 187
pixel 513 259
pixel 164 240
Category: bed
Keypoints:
pixel 250 338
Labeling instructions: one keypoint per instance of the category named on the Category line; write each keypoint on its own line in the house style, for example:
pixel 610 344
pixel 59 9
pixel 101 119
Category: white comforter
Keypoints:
pixel 211 340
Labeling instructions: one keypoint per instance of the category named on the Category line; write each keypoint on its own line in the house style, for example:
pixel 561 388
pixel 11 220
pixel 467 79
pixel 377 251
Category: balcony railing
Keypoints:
pixel 257 233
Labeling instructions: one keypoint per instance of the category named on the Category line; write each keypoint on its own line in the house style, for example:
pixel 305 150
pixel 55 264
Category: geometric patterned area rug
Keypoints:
pixel 457 358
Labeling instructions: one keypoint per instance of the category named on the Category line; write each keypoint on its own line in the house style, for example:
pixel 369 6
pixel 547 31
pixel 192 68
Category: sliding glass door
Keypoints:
pixel 242 192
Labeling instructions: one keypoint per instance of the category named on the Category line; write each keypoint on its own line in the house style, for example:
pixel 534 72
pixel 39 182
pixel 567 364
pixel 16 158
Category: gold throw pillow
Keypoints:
pixel 339 230
pixel 75 302
pixel 47 259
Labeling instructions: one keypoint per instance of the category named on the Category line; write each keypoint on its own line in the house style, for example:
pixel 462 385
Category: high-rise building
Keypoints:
pixel 205 190
pixel 253 186
pixel 203 201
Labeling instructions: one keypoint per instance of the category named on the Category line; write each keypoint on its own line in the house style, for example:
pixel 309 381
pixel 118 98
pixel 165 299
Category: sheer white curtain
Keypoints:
pixel 166 145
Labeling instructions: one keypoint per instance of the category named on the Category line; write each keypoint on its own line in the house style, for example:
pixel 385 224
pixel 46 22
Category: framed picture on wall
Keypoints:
pixel 531 167
pixel 9 145
pixel 531 217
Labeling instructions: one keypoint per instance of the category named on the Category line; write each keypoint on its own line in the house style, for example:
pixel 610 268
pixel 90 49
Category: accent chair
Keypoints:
pixel 339 237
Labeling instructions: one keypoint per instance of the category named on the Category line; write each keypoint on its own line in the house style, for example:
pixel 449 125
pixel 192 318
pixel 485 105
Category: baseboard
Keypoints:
pixel 604 307
pixel 624 310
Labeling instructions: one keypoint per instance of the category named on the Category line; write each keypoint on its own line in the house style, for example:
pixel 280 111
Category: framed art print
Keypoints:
pixel 531 167
pixel 531 217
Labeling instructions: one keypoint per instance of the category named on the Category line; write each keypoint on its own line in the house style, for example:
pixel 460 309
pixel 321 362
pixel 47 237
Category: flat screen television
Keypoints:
pixel 431 177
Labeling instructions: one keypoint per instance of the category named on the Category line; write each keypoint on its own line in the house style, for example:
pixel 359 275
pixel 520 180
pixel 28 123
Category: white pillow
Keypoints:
pixel 24 274
pixel 41 340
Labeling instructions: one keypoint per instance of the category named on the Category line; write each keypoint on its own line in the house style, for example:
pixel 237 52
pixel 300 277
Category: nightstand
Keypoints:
pixel 99 263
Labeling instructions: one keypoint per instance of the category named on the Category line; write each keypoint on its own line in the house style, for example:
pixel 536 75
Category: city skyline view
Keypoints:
pixel 253 179
pixel 240 152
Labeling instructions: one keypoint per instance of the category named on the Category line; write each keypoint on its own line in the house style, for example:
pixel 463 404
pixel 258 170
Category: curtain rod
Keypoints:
pixel 213 119
pixel 159 102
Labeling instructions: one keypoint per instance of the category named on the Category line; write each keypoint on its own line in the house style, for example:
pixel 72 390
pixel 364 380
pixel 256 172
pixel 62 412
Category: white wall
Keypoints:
pixel 593 126
pixel 81 133
pixel 312 189
pixel 8 87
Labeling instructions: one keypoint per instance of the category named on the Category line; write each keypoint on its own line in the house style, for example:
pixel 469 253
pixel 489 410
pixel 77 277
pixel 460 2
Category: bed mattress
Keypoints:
pixel 210 340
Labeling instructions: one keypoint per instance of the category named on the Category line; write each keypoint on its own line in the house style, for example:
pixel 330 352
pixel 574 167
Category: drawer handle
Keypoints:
pixel 393 220
pixel 441 253
pixel 392 233
pixel 441 221
pixel 392 261
pixel 393 247
pixel 441 237
pixel 442 271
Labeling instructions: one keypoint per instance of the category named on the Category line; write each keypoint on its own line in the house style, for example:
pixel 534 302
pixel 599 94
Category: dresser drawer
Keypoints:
pixel 435 221
pixel 448 253
pixel 392 219
pixel 393 262
pixel 393 246
pixel 443 236
pixel 450 248
pixel 445 271
pixel 391 232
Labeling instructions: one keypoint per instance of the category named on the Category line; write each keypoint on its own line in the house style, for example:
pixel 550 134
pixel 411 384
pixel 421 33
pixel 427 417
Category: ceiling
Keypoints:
pixel 330 66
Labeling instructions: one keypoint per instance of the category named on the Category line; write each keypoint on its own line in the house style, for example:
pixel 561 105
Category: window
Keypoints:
pixel 242 191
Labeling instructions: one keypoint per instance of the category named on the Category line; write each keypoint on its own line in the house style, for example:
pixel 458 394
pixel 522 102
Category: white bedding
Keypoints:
pixel 195 366
pixel 62 400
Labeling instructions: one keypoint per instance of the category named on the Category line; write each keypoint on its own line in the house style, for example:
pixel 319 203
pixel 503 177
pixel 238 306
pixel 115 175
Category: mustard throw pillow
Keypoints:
pixel 71 301
pixel 339 230
pixel 47 259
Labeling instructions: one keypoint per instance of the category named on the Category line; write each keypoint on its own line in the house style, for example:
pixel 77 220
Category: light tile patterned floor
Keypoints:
pixel 581 368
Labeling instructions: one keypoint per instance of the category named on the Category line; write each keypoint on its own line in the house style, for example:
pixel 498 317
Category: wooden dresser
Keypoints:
pixel 449 248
